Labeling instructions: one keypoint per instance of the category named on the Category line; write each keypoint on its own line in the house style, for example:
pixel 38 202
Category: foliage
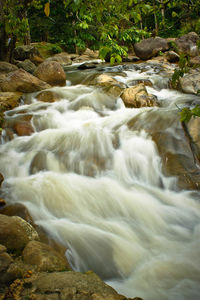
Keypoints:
pixel 183 68
pixel 187 113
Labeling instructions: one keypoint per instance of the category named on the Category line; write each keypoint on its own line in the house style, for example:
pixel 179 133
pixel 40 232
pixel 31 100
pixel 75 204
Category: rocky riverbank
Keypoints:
pixel 32 265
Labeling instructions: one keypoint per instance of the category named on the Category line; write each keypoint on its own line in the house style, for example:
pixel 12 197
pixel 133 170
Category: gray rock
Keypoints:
pixel 25 52
pixel 150 47
pixel 190 83
pixel 187 44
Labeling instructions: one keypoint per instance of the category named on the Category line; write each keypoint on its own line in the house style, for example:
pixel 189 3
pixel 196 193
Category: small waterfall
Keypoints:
pixel 96 184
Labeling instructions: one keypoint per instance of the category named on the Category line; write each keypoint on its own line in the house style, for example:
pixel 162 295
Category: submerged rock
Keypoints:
pixel 51 72
pixel 137 96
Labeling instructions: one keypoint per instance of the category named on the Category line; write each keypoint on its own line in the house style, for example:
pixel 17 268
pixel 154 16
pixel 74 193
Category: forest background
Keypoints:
pixel 111 26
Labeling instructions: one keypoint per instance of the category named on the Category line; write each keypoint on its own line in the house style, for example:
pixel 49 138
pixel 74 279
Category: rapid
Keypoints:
pixel 92 177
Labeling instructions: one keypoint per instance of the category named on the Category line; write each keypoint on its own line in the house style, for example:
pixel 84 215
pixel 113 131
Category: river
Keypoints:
pixel 96 184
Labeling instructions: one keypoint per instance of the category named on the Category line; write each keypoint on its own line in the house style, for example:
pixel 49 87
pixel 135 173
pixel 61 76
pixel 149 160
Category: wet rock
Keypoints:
pixel 23 128
pixel 150 47
pixel 146 82
pixel 22 81
pixel 85 66
pixel 174 149
pixel 48 96
pixel 9 100
pixel 62 58
pixel 25 52
pixel 172 57
pixel 187 44
pixel 44 257
pixel 27 65
pixel 51 72
pixel 15 233
pixel 6 67
pixel 137 96
pixel 109 85
pixel 71 285
pixel 19 210
pixel 190 83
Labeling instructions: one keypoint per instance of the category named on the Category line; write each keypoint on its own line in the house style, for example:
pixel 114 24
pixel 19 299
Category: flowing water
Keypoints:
pixel 96 184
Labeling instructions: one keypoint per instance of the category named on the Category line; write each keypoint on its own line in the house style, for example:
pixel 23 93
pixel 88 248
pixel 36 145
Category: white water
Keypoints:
pixel 98 187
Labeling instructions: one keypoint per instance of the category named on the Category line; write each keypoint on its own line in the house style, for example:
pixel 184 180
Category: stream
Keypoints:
pixel 92 177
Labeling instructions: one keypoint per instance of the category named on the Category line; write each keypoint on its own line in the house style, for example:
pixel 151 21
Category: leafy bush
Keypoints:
pixel 187 113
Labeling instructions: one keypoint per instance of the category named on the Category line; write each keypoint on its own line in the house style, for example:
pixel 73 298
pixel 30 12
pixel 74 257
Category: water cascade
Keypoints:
pixel 96 184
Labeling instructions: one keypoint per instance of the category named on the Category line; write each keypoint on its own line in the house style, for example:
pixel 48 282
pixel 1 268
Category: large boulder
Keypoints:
pixel 22 81
pixel 51 72
pixel 15 233
pixel 187 44
pixel 62 58
pixel 109 84
pixel 6 67
pixel 137 96
pixel 9 100
pixel 44 257
pixel 25 52
pixel 150 47
pixel 190 83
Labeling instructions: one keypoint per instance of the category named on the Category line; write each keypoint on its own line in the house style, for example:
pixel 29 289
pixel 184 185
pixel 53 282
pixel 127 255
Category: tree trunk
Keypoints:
pixel 155 18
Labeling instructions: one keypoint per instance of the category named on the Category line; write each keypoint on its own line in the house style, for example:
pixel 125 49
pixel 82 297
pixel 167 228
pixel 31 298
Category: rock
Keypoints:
pixel 193 130
pixel 1 179
pixel 109 85
pixel 90 53
pixel 2 202
pixel 15 233
pixel 22 81
pixel 48 96
pixel 44 257
pixel 146 82
pixel 172 57
pixel 9 100
pixel 51 72
pixel 190 83
pixel 85 66
pixel 62 58
pixel 27 65
pixel 5 260
pixel 25 52
pixel 137 96
pixel 19 210
pixel 6 67
pixel 23 128
pixel 194 61
pixel 36 60
pixel 174 149
pixel 187 44
pixel 130 58
pixel 71 285
pixel 150 47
